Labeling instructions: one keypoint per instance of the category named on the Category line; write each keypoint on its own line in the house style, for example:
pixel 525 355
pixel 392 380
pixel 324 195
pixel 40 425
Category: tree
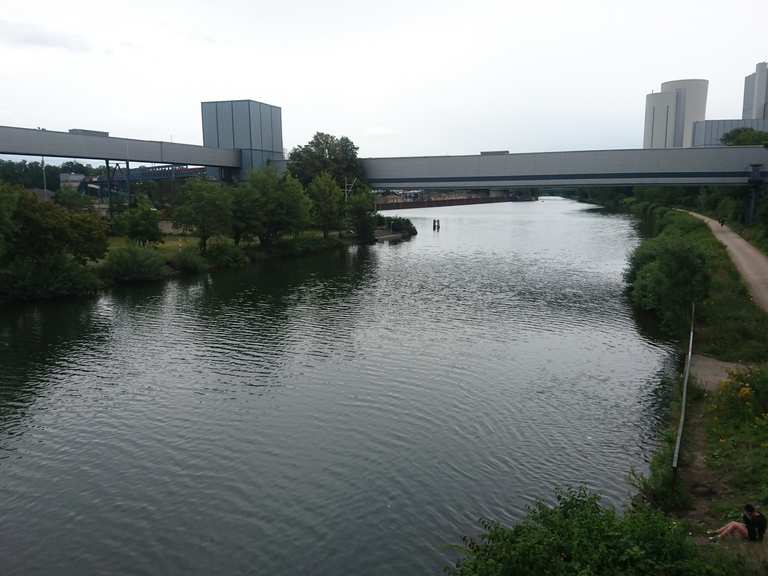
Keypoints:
pixel 326 153
pixel 278 205
pixel 9 196
pixel 142 222
pixel 361 213
pixel 206 207
pixel 245 212
pixel 72 199
pixel 744 137
pixel 43 229
pixel 327 203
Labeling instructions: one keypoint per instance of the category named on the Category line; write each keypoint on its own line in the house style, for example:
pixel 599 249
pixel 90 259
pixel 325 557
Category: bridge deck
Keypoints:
pixel 29 142
pixel 715 165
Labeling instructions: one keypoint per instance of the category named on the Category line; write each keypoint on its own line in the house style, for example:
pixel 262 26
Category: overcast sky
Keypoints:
pixel 398 77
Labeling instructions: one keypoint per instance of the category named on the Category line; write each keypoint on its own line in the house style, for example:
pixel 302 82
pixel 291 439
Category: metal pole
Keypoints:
pixel 45 183
pixel 128 181
pixel 109 189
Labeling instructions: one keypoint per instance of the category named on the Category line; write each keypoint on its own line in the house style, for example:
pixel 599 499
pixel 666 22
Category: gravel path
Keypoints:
pixel 751 263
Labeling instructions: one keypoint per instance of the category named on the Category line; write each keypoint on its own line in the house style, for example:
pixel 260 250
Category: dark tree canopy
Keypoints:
pixel 744 137
pixel 326 153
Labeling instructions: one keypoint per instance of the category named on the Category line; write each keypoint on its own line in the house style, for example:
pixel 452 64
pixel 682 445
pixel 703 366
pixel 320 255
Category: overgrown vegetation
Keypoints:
pixel 133 264
pixel 737 426
pixel 670 269
pixel 396 224
pixel 660 488
pixel 45 248
pixel 580 536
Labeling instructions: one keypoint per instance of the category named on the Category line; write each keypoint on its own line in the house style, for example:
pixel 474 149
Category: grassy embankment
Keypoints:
pixel 725 448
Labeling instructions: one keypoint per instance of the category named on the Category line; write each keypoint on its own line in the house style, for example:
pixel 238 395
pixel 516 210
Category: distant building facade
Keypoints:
pixel 675 117
pixel 671 113
pixel 756 94
pixel 254 128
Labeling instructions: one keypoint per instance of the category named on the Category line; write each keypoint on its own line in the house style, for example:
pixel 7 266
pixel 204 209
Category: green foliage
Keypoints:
pixel 660 488
pixel 48 277
pixel 280 205
pixel 737 425
pixel 294 247
pixel 9 197
pixel 669 272
pixel 729 325
pixel 326 153
pixel 327 203
pixel 141 223
pixel 72 199
pixel 397 224
pixel 223 254
pixel 188 261
pixel 133 264
pixel 42 229
pixel 246 221
pixel 744 137
pixel 205 207
pixel 578 536
pixel 29 174
pixel 361 212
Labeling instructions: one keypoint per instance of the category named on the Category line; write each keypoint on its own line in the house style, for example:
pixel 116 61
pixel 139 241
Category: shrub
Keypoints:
pixel 397 224
pixel 579 536
pixel 188 261
pixel 222 254
pixel 57 275
pixel 666 274
pixel 133 264
pixel 306 246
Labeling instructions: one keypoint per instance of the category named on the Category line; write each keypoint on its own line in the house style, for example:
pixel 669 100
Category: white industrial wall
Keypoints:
pixel 659 120
pixel 690 107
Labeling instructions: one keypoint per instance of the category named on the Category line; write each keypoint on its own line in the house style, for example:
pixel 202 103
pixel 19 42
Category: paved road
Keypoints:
pixel 752 263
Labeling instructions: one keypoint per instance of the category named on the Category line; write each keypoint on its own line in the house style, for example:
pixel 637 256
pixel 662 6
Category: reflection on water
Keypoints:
pixel 349 413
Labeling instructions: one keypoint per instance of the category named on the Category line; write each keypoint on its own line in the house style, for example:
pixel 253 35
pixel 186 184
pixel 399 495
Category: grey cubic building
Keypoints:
pixel 253 128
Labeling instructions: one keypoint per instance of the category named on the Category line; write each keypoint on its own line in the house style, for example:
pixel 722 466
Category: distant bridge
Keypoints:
pixel 496 171
pixel 723 165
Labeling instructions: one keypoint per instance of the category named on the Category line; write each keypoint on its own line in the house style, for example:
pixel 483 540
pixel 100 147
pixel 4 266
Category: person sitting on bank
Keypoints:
pixel 752 526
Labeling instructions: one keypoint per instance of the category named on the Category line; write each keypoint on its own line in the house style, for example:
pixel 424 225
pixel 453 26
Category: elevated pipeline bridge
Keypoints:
pixel 722 165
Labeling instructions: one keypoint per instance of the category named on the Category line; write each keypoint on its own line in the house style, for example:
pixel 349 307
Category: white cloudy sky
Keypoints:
pixel 398 77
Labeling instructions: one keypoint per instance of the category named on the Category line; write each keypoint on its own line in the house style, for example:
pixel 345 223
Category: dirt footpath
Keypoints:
pixel 751 263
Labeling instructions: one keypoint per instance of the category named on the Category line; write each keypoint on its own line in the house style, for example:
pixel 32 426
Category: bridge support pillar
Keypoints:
pixel 750 201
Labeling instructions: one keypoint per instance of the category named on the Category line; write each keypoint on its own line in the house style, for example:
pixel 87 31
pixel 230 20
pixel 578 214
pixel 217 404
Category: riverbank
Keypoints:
pixel 724 458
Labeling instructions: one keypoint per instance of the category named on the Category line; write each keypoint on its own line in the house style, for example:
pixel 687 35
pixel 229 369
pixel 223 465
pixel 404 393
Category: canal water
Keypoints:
pixel 352 413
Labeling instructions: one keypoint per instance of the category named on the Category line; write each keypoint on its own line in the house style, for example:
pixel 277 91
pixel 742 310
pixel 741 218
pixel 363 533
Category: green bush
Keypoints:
pixel 397 224
pixel 305 246
pixel 57 275
pixel 578 536
pixel 669 272
pixel 223 254
pixel 133 264
pixel 188 261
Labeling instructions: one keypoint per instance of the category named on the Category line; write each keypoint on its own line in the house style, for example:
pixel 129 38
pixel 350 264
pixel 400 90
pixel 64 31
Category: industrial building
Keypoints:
pixel 675 117
pixel 671 113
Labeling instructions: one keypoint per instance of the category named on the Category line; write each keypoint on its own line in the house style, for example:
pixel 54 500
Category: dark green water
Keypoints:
pixel 353 413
